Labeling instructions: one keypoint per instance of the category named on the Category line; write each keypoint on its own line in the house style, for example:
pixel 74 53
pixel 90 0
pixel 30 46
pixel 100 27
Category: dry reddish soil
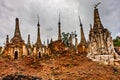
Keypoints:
pixel 63 67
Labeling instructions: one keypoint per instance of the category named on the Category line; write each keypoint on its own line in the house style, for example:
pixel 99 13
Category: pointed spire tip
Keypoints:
pixel 59 18
pixel 38 22
pixel 80 21
pixel 96 5
pixel 17 19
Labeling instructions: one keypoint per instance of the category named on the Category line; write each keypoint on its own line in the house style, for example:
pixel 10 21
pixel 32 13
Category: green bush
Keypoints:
pixel 117 43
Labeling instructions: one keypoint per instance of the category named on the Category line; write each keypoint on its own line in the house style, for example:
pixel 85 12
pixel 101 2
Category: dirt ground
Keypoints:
pixel 62 67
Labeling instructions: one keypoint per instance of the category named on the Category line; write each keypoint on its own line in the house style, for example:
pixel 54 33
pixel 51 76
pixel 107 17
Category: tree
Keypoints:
pixel 67 36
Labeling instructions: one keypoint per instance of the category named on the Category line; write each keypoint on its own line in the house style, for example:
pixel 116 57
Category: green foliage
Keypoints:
pixel 116 41
pixel 67 36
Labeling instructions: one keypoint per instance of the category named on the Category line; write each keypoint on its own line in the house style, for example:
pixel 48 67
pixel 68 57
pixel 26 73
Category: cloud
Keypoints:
pixel 48 11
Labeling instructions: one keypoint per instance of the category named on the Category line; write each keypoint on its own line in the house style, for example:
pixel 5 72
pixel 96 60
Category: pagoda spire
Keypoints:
pixel 83 40
pixel 47 41
pixel 90 26
pixel 70 39
pixel 7 39
pixel 28 39
pixel 80 22
pixel 38 42
pixel 59 29
pixel 17 35
pixel 97 21
pixel 76 41
pixel 17 30
pixel 51 40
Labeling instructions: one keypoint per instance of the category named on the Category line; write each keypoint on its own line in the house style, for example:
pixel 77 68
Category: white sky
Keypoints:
pixel 48 11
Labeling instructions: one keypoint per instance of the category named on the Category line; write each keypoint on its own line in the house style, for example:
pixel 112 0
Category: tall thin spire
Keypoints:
pixel 83 40
pixel 90 26
pixel 17 30
pixel 17 35
pixel 38 22
pixel 76 41
pixel 70 39
pixel 97 21
pixel 47 41
pixel 80 21
pixel 28 39
pixel 59 19
pixel 59 29
pixel 38 42
pixel 7 39
pixel 28 42
pixel 51 40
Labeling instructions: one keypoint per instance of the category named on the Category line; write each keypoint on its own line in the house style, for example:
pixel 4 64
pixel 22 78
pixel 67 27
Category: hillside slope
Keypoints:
pixel 63 67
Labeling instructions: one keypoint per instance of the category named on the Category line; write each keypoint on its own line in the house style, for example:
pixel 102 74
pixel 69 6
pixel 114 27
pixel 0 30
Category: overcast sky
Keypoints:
pixel 48 11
